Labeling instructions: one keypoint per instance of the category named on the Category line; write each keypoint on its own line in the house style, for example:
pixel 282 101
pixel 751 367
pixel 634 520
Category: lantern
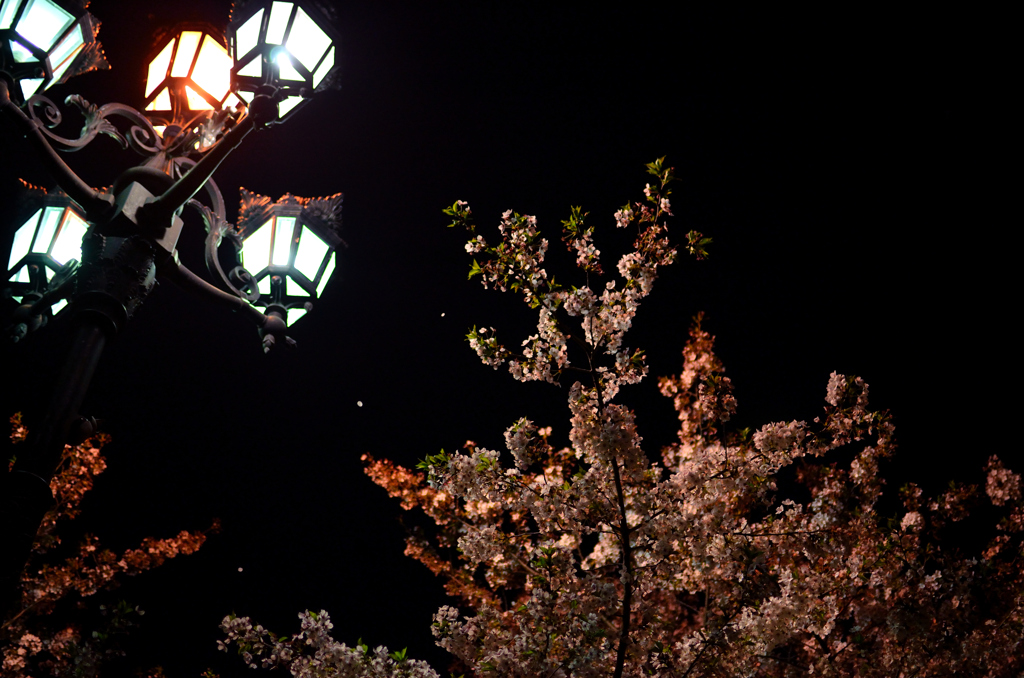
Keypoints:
pixel 45 243
pixel 42 42
pixel 287 45
pixel 289 248
pixel 190 73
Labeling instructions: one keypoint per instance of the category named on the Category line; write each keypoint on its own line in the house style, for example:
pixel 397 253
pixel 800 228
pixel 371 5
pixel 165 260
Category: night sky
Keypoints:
pixel 848 165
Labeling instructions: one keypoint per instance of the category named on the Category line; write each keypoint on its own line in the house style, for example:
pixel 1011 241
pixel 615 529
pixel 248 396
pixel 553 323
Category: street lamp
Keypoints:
pixel 104 249
pixel 188 79
pixel 288 246
pixel 43 42
pixel 44 256
pixel 288 45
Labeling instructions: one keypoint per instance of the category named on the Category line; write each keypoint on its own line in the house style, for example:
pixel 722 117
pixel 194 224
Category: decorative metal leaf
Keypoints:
pixel 90 58
pixel 95 121
pixel 326 210
pixel 253 210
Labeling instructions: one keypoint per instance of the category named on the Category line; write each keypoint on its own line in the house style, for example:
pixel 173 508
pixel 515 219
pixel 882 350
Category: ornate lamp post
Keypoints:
pixel 199 105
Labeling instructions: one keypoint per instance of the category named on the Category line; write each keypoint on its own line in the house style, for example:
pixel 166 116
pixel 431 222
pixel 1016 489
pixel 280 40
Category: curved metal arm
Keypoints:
pixel 95 204
pixel 272 328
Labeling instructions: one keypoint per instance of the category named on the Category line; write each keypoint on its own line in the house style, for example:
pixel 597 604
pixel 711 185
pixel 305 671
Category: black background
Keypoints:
pixel 850 165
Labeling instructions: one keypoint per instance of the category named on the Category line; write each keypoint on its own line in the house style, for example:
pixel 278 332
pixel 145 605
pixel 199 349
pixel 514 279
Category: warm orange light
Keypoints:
pixel 191 73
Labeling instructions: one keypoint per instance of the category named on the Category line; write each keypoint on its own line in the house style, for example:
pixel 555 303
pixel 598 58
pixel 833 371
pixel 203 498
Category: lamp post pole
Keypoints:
pixel 278 60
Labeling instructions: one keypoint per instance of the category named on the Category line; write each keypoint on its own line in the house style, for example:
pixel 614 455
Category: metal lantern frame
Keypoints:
pixel 289 248
pixel 287 45
pixel 46 244
pixel 188 76
pixel 43 42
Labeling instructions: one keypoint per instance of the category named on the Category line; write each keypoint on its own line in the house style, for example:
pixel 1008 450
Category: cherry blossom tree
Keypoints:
pixel 37 640
pixel 731 553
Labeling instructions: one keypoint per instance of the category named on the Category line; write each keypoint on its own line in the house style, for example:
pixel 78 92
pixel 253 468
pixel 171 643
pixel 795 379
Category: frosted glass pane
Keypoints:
pixel 232 101
pixel 47 229
pixel 158 68
pixel 43 22
pixel 294 314
pixel 263 284
pixel 22 54
pixel 253 69
pixel 286 70
pixel 64 55
pixel 161 103
pixel 29 86
pixel 287 105
pixel 23 240
pixel 248 35
pixel 22 275
pixel 323 69
pixel 327 274
pixel 294 289
pixel 306 41
pixel 195 101
pixel 279 14
pixel 310 254
pixel 213 69
pixel 7 10
pixel 256 249
pixel 59 306
pixel 283 240
pixel 247 96
pixel 188 43
pixel 69 240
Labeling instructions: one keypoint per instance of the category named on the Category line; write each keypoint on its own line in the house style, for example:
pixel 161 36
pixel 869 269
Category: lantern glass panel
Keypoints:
pixel 306 41
pixel 285 68
pixel 23 240
pixel 252 69
pixel 158 68
pixel 327 274
pixel 69 239
pixel 21 53
pixel 64 55
pixel 287 105
pixel 188 43
pixel 59 306
pixel 256 249
pixel 213 69
pixel 29 86
pixel 162 102
pixel 42 22
pixel 310 254
pixel 294 289
pixel 248 35
pixel 283 240
pixel 263 285
pixel 280 12
pixel 7 12
pixel 294 314
pixel 195 101
pixel 47 229
pixel 323 68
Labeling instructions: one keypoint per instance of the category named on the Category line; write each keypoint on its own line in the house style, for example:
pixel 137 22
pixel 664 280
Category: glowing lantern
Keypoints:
pixel 288 45
pixel 289 248
pixel 42 42
pixel 45 242
pixel 190 73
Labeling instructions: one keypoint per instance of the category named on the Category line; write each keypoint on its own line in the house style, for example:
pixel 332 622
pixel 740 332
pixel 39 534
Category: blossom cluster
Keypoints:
pixel 35 641
pixel 729 553
pixel 313 653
